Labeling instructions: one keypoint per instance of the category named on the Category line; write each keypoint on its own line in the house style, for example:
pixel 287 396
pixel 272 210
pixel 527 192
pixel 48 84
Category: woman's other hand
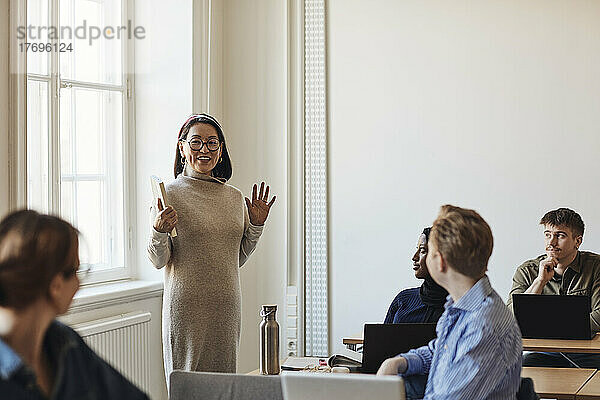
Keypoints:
pixel 258 208
pixel 166 219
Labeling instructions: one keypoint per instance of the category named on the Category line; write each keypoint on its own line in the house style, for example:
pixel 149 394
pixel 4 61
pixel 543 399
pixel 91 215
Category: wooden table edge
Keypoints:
pixel 586 396
pixel 561 396
pixel 551 349
pixel 352 340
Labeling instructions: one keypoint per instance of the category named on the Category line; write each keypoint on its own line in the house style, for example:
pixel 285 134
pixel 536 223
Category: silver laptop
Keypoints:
pixel 328 386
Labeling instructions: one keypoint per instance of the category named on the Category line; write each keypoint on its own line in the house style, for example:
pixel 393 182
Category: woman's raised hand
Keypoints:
pixel 258 208
pixel 166 218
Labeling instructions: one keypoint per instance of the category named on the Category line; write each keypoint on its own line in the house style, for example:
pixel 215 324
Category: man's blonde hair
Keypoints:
pixel 464 239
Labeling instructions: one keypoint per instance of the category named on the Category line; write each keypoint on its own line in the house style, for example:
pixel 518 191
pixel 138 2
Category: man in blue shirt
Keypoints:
pixel 477 352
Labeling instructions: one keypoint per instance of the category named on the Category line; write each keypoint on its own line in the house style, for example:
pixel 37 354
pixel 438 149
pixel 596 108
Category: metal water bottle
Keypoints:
pixel 269 341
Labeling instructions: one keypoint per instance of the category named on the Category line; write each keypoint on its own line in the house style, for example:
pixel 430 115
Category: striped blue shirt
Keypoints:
pixel 477 352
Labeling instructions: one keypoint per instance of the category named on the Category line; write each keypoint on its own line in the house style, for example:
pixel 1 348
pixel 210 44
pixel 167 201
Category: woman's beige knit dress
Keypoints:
pixel 202 298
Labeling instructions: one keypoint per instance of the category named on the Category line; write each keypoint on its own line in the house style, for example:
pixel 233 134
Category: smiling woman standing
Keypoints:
pixel 216 233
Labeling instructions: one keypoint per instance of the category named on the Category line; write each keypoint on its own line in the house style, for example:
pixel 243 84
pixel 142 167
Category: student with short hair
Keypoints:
pixel 477 352
pixel 562 270
pixel 40 358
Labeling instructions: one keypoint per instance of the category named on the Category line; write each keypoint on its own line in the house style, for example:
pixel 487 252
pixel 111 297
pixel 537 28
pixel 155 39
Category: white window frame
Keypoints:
pixel 18 129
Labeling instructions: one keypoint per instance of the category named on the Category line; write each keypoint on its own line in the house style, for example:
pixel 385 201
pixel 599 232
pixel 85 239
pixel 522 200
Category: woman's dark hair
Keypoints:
pixel 426 232
pixel 223 168
pixel 34 248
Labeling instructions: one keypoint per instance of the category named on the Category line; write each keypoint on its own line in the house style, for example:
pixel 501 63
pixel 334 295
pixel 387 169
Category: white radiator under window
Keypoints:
pixel 123 341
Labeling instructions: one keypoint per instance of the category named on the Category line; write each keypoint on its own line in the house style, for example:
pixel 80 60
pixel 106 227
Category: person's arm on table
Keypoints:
pixel 545 273
pixel 415 362
pixel 522 283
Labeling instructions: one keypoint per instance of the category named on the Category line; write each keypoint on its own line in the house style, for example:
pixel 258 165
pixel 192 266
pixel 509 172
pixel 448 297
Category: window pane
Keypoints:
pixel 67 200
pixel 92 170
pixel 90 220
pixel 81 153
pixel 93 27
pixel 37 145
pixel 37 32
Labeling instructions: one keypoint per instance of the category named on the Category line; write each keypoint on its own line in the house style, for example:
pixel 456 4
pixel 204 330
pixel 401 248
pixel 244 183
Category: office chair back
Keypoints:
pixel 216 386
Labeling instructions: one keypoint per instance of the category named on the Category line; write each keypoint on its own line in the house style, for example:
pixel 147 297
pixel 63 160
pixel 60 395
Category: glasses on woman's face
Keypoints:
pixel 196 144
pixel 82 271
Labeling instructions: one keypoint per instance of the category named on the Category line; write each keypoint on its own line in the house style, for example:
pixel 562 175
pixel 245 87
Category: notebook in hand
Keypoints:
pixel 542 316
pixel 159 192
pixel 382 341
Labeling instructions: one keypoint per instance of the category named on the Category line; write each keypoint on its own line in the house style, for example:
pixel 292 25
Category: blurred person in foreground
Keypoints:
pixel 40 358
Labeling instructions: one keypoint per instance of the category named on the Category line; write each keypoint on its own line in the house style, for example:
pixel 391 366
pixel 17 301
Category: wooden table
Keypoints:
pixel 352 342
pixel 591 390
pixel 292 361
pixel 562 345
pixel 558 383
pixel 548 345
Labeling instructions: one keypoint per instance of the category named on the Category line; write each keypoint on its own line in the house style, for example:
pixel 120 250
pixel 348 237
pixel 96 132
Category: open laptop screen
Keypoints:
pixel 382 341
pixel 543 316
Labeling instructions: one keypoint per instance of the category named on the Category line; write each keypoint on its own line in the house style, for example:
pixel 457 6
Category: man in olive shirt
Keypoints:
pixel 562 270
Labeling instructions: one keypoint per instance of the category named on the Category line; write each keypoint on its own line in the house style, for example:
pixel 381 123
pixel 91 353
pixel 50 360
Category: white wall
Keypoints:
pixel 254 119
pixel 4 99
pixel 490 105
pixel 163 90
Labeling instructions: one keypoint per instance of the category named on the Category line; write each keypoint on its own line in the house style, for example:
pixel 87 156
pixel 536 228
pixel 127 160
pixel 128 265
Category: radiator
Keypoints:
pixel 123 341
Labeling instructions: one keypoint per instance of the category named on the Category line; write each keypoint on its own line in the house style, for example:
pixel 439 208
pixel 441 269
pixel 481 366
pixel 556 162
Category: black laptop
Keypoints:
pixel 382 341
pixel 544 316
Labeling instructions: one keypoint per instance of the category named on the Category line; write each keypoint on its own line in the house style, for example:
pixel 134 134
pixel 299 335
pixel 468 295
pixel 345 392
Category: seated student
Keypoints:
pixel 41 358
pixel 563 269
pixel 477 352
pixel 420 304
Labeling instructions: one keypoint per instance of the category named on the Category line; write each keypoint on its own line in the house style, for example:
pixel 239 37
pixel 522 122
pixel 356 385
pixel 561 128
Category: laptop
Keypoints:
pixel 382 341
pixel 323 386
pixel 544 316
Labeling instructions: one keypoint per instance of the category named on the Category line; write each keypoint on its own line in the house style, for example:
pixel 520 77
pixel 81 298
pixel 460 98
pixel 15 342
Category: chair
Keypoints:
pixel 217 386
pixel 526 390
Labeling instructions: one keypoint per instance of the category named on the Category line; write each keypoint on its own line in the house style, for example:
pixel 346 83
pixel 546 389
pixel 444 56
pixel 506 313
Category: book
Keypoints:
pixel 346 358
pixel 159 192
pixel 299 363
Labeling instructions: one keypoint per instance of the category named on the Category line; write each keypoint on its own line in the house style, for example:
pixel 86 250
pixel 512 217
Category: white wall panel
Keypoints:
pixel 492 105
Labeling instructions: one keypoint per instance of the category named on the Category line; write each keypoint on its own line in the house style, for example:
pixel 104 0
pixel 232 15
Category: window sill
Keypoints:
pixel 107 294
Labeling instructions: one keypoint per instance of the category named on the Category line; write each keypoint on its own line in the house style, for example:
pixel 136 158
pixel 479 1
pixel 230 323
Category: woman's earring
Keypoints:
pixel 182 160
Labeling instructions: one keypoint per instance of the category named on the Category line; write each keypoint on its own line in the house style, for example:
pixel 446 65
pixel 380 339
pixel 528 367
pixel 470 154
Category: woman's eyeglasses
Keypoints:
pixel 196 144
pixel 82 271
